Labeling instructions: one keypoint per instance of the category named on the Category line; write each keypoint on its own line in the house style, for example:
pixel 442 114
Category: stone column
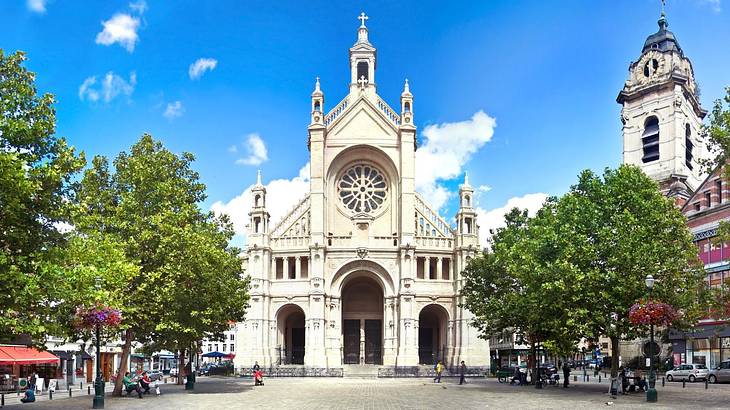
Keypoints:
pixel 438 269
pixel 285 274
pixel 298 267
pixel 427 267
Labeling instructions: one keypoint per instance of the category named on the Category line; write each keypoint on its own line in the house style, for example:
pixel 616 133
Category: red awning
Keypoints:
pixel 26 355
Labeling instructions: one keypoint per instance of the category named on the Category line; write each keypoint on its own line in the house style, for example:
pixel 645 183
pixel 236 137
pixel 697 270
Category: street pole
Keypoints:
pixel 99 383
pixel 651 393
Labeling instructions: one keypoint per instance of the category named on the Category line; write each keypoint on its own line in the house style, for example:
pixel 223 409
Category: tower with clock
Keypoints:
pixel 662 115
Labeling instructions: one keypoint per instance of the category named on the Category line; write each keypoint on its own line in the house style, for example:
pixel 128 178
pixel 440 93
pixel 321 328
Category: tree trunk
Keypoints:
pixel 124 363
pixel 181 367
pixel 615 351
pixel 533 359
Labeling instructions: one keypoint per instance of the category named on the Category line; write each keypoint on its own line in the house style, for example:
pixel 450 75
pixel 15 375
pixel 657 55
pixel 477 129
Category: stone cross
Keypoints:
pixel 362 81
pixel 362 19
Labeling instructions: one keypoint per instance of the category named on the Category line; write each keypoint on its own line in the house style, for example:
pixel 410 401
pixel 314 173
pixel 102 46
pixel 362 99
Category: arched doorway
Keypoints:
pixel 432 341
pixel 362 321
pixel 291 334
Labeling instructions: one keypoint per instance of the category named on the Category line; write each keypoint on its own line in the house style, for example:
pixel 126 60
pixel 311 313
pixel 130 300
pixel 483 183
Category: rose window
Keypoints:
pixel 362 188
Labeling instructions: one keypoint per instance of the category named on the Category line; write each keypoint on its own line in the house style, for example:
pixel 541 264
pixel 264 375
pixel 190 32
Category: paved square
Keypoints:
pixel 350 393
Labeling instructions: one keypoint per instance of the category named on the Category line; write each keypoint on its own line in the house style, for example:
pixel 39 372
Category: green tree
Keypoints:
pixel 622 229
pixel 36 170
pixel 525 284
pixel 150 203
pixel 717 135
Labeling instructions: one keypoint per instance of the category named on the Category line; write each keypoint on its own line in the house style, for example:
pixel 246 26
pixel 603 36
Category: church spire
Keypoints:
pixel 317 104
pixel 362 60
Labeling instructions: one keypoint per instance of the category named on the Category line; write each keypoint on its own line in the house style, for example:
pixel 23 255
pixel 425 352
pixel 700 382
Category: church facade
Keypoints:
pixel 362 270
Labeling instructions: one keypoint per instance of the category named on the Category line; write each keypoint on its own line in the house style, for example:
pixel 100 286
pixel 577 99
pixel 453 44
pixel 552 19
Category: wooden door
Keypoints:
pixel 351 348
pixel 373 341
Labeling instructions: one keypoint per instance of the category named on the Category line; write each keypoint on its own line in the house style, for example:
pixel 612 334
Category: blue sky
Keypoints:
pixel 547 71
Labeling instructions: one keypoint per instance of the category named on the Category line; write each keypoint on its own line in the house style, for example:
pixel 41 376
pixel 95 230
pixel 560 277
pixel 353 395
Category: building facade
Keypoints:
pixel 709 342
pixel 362 270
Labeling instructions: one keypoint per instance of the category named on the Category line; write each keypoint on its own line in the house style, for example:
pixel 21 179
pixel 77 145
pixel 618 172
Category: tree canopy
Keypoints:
pixel 36 173
pixel 576 268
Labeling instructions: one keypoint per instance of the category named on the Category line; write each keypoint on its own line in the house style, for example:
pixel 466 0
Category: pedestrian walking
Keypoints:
pixel 566 374
pixel 462 373
pixel 439 368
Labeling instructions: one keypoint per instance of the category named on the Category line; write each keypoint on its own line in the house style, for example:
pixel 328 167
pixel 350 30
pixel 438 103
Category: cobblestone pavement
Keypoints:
pixel 322 393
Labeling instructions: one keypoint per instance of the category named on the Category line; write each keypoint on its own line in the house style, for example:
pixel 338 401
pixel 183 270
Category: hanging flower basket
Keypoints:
pixel 98 315
pixel 651 312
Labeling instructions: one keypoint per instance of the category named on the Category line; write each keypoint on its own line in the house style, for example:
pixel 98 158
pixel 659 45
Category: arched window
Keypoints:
pixel 688 146
pixel 407 107
pixel 362 70
pixel 257 201
pixel 317 106
pixel 650 140
pixel 467 200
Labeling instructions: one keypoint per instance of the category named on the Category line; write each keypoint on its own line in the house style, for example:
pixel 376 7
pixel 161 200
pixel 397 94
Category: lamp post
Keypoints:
pixel 651 394
pixel 99 382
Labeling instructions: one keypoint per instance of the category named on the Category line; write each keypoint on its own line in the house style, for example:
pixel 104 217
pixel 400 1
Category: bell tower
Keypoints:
pixel 362 61
pixel 467 229
pixel 662 116
pixel 258 225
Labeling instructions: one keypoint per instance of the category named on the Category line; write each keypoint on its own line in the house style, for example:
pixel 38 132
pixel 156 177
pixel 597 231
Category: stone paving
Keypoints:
pixel 352 393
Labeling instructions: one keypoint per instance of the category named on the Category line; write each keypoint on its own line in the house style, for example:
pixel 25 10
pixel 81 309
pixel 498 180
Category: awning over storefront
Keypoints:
pixel 10 355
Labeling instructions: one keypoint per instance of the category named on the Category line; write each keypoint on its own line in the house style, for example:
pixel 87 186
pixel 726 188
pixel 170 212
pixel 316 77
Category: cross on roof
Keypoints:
pixel 362 81
pixel 362 19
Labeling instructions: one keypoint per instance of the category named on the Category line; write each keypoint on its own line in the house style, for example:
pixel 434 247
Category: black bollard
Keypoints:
pixel 575 378
pixel 662 382
pixel 69 392
pixel 599 378
pixel 81 386
pixel 683 383
pixel 88 389
pixel 50 394
pixel 588 378
pixel 707 383
pixel 2 400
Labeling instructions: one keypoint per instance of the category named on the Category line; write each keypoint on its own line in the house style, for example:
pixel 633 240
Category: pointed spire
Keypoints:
pixel 258 178
pixel 317 90
pixel 406 89
pixel 362 31
pixel 466 179
pixel 662 22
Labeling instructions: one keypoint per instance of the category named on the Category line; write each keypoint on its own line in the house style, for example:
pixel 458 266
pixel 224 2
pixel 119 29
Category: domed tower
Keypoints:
pixel 662 115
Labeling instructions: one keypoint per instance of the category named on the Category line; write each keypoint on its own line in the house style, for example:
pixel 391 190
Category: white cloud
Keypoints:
pixel 200 66
pixel 122 29
pixel 111 86
pixel 173 110
pixel 38 6
pixel 138 6
pixel 714 5
pixel 494 218
pixel 281 196
pixel 256 150
pixel 450 145
pixel 233 149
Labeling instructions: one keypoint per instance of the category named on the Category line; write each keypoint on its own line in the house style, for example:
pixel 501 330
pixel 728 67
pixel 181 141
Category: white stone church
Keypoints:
pixel 363 270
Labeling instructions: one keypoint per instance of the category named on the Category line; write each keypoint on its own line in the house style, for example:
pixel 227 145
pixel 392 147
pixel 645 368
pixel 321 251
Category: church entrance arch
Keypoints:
pixel 362 320
pixel 291 334
pixel 432 328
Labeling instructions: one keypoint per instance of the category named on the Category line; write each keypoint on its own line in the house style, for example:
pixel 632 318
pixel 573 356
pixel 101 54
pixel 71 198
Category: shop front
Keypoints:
pixel 707 344
pixel 18 363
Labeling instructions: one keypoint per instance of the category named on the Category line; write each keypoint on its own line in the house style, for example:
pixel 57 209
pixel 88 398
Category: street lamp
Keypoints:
pixel 99 382
pixel 651 394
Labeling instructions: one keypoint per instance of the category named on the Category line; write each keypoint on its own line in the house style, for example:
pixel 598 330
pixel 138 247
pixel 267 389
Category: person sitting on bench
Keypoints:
pixel 131 385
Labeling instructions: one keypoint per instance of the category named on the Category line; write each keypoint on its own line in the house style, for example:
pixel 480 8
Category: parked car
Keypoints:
pixel 548 369
pixel 174 372
pixel 689 372
pixel 154 374
pixel 720 374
